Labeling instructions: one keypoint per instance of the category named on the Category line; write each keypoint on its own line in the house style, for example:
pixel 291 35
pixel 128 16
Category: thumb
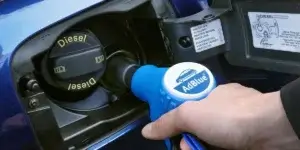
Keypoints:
pixel 170 124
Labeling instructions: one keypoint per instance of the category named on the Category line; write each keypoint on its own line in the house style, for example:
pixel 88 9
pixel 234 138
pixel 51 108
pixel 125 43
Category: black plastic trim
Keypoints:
pixel 242 52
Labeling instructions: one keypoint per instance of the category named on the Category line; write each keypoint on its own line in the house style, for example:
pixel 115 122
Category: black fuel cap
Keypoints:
pixel 76 62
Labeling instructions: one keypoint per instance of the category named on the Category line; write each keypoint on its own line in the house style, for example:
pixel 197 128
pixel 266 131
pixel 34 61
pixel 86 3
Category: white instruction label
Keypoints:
pixel 275 31
pixel 208 35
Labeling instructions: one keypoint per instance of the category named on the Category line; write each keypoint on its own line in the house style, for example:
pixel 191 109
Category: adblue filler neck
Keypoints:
pixel 167 88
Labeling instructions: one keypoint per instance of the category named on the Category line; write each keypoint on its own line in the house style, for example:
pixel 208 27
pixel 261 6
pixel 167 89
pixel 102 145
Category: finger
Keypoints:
pixel 226 90
pixel 237 86
pixel 184 145
pixel 170 124
pixel 162 128
pixel 231 86
pixel 232 90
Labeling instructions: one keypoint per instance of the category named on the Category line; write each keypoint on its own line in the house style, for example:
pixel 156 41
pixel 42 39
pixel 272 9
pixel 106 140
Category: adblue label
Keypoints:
pixel 195 84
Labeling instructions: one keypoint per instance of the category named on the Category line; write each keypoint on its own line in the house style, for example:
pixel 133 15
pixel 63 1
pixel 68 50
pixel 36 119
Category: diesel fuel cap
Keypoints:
pixel 76 62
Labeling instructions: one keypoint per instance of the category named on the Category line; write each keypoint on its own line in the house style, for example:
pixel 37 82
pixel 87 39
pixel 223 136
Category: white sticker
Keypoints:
pixel 275 31
pixel 188 81
pixel 208 35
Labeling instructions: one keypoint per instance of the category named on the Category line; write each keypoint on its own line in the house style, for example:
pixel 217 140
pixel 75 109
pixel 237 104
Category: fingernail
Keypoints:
pixel 184 145
pixel 147 130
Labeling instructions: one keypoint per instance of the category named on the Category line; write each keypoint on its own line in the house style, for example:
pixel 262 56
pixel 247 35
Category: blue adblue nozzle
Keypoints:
pixel 167 88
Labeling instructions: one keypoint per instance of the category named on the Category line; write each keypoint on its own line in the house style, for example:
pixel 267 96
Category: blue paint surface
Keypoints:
pixel 15 130
pixel 26 20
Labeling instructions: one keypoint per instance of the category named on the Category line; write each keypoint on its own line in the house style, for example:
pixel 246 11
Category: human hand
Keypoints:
pixel 231 117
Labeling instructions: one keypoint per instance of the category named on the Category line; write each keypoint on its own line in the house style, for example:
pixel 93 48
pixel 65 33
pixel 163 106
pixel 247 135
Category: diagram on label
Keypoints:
pixel 266 28
pixel 275 31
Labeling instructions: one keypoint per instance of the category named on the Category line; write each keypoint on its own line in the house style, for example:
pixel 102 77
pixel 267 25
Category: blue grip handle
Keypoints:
pixel 192 142
pixel 147 85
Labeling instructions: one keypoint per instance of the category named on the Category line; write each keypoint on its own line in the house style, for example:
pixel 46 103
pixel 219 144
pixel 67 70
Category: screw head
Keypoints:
pixel 185 41
pixel 35 86
pixel 33 103
pixel 32 85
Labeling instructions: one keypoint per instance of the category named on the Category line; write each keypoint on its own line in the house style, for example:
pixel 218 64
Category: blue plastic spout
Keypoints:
pixel 145 85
